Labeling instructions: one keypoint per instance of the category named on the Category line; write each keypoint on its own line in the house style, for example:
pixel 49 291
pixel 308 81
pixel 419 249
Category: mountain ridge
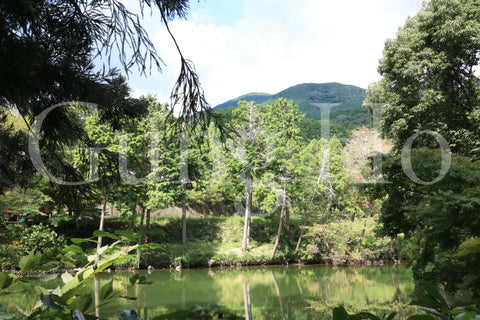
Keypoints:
pixel 309 97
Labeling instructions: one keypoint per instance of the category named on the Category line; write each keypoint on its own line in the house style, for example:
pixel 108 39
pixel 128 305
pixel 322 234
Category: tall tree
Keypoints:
pixel 282 120
pixel 430 83
pixel 429 80
pixel 249 155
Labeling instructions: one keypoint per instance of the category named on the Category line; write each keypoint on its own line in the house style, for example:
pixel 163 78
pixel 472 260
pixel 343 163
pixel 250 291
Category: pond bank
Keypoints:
pixel 216 242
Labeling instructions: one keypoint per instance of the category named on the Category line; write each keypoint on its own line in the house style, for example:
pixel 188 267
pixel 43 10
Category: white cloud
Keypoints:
pixel 280 43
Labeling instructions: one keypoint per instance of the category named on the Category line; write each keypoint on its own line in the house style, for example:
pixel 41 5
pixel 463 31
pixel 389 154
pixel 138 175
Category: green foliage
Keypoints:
pixel 41 238
pixel 436 219
pixel 345 240
pixel 37 238
pixel 428 82
pixel 428 298
pixel 342 97
pixel 70 297
pixel 28 203
pixel 15 166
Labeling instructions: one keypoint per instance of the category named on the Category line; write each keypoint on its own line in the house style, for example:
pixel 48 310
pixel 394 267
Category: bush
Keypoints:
pixel 39 238
pixel 34 238
pixel 345 239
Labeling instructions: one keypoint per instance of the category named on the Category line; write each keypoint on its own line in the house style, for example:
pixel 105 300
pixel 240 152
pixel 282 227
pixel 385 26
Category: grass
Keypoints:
pixel 217 241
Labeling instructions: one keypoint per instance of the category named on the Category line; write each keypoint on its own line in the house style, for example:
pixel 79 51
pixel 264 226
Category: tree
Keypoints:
pixel 248 159
pixel 429 84
pixel 429 80
pixel 48 49
pixel 15 166
pixel 362 144
pixel 282 121
pixel 437 218
pixel 108 173
pixel 318 168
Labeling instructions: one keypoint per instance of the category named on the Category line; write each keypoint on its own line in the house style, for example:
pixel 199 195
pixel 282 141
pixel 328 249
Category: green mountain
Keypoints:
pixel 254 96
pixel 310 97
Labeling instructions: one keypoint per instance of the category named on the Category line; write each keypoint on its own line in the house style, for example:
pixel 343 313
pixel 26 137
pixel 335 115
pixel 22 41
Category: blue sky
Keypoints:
pixel 242 46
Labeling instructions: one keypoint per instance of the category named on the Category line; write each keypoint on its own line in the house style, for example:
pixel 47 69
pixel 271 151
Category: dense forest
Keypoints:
pixel 390 177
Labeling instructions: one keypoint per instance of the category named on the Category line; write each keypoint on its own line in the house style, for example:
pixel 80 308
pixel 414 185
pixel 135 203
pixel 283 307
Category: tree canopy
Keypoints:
pixel 430 86
pixel 429 80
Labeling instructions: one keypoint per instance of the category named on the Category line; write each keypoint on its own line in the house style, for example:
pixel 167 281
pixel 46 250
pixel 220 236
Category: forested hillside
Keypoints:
pixel 344 101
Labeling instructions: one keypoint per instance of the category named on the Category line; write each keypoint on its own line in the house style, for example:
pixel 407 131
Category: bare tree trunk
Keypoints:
pixel 287 220
pixel 100 227
pixel 248 213
pixel 134 214
pixel 282 216
pixel 392 246
pixel 96 281
pixel 362 234
pixel 147 224
pixel 142 218
pixel 140 228
pixel 184 221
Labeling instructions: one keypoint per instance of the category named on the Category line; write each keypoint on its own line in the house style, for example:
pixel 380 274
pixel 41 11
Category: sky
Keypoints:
pixel 243 46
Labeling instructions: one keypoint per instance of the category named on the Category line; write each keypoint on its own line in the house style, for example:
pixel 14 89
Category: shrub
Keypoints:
pixel 39 238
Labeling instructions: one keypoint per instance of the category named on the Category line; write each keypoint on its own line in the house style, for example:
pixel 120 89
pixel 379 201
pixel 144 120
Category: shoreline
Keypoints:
pixel 323 263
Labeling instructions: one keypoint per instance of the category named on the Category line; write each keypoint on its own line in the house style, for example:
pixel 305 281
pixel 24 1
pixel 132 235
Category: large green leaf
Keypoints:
pixel 130 236
pixel 391 316
pixel 76 249
pixel 66 277
pixel 82 303
pixel 49 301
pixel 429 297
pixel 79 241
pixel 467 316
pixel 27 263
pixel 106 290
pixel 105 234
pixel 5 280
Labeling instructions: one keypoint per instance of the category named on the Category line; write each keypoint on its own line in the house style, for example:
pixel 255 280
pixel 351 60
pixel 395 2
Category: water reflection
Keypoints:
pixel 246 300
pixel 269 292
pixel 293 292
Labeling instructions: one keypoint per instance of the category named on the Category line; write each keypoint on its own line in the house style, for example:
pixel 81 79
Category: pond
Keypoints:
pixel 275 292
pixel 272 292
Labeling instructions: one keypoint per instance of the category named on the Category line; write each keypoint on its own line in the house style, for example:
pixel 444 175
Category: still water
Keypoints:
pixel 275 292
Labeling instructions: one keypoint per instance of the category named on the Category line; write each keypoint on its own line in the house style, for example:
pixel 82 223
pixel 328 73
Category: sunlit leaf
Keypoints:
pixel 66 277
